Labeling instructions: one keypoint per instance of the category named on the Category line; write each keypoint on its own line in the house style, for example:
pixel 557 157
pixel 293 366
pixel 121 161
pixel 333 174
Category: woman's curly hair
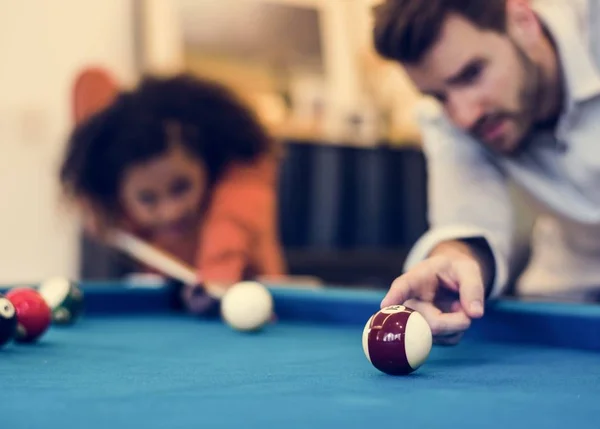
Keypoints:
pixel 210 122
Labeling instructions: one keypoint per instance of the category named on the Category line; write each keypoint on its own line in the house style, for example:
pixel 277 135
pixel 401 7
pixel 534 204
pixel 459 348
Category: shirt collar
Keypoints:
pixel 581 76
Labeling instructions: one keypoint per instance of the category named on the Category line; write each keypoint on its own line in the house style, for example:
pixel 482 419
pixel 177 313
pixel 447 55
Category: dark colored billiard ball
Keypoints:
pixel 34 316
pixel 397 340
pixel 8 321
pixel 65 298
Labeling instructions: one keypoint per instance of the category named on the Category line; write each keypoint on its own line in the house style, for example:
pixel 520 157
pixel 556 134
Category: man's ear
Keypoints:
pixel 522 23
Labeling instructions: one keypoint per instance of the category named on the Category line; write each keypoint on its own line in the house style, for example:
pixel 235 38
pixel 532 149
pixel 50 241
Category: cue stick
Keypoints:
pixel 167 264
pixel 161 261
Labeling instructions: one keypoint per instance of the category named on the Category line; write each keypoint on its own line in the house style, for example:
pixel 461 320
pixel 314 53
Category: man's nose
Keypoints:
pixel 465 111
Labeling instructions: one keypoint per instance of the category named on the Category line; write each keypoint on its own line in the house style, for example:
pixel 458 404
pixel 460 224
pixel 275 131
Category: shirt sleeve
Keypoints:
pixel 468 195
pixel 240 219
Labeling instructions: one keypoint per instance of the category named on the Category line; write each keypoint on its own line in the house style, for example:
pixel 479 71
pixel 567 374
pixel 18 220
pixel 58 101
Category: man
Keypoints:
pixel 516 85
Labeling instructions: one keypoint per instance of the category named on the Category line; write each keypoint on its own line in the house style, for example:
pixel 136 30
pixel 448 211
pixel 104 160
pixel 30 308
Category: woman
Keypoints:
pixel 183 164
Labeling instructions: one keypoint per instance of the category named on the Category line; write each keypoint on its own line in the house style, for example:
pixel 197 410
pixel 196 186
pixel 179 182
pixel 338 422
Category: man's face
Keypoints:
pixel 487 85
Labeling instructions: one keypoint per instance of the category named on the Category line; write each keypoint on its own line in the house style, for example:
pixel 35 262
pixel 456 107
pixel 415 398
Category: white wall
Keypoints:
pixel 163 44
pixel 42 45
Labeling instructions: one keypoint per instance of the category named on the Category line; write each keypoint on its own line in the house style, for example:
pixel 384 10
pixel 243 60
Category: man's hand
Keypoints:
pixel 448 288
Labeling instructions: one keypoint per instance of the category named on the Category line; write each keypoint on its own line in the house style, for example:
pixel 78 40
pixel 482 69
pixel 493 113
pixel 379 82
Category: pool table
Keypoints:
pixel 133 361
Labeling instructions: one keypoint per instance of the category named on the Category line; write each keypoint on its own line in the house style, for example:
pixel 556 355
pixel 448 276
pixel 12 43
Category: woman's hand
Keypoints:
pixel 196 301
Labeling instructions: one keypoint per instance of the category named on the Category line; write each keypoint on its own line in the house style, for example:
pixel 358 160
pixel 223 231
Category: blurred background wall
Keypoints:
pixel 353 185
pixel 43 44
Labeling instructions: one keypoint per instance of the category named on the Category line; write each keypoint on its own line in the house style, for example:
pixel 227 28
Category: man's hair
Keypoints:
pixel 405 30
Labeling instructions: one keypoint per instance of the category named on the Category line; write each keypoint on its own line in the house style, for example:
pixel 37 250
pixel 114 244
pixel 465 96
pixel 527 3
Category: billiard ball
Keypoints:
pixel 34 316
pixel 247 306
pixel 64 298
pixel 8 321
pixel 397 340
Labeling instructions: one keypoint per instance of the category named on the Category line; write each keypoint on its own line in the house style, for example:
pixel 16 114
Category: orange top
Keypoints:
pixel 237 238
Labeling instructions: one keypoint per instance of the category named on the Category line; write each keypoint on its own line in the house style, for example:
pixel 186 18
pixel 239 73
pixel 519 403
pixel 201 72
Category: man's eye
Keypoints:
pixel 440 97
pixel 471 73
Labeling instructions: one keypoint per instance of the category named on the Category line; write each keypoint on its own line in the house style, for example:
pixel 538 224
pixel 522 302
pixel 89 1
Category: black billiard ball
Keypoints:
pixel 8 321
pixel 397 340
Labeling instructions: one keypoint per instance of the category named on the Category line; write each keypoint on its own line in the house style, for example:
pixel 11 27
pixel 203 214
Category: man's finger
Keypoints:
pixel 439 322
pixel 420 282
pixel 456 306
pixel 400 291
pixel 471 290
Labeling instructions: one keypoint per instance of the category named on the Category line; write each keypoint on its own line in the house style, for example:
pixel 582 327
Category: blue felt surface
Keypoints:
pixel 153 371
pixel 542 323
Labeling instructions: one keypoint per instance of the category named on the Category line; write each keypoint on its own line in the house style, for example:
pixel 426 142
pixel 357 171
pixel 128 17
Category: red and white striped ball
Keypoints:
pixel 397 340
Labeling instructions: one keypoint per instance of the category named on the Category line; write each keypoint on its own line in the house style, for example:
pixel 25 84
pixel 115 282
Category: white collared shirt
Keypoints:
pixel 469 188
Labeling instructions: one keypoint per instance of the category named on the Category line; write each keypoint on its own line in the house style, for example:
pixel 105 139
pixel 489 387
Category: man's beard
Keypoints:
pixel 523 118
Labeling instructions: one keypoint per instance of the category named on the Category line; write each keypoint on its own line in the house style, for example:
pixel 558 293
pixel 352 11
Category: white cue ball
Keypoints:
pixel 247 306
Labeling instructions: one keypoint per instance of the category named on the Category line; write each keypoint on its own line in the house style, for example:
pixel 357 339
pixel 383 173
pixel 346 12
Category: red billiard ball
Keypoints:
pixel 34 316
pixel 397 340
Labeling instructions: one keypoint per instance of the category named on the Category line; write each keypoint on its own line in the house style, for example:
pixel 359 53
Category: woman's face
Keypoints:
pixel 164 195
